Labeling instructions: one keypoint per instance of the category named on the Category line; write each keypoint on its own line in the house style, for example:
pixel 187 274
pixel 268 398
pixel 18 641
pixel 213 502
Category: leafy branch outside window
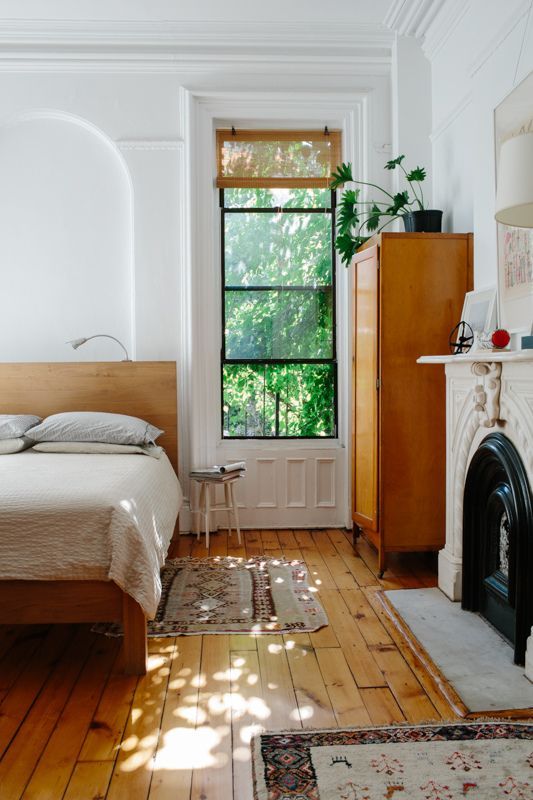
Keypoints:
pixel 357 218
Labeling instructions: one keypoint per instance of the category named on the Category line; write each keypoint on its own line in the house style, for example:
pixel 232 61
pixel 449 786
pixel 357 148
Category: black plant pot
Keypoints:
pixel 423 221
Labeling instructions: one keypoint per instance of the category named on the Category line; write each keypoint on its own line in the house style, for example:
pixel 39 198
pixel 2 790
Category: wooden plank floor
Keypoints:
pixel 72 726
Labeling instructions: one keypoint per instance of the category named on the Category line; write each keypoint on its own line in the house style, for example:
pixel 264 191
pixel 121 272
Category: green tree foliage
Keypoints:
pixel 278 305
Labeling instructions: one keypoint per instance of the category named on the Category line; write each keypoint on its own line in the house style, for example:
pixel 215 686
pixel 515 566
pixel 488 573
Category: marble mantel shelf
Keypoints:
pixel 490 356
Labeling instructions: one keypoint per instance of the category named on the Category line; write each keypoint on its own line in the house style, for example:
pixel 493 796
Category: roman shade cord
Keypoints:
pixel 326 131
pixel 233 131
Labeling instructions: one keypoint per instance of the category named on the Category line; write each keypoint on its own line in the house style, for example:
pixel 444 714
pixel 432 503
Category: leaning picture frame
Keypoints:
pixel 514 117
pixel 515 277
pixel 479 310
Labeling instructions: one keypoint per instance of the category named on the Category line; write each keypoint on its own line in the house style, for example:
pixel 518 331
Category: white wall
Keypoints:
pixel 411 110
pixel 65 238
pixel 473 59
pixel 109 180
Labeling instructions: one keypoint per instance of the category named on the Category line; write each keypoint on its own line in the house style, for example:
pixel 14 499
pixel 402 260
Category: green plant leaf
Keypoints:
pixel 372 222
pixel 348 218
pixel 341 176
pixel 347 245
pixel 395 162
pixel 417 174
pixel 348 214
pixel 400 201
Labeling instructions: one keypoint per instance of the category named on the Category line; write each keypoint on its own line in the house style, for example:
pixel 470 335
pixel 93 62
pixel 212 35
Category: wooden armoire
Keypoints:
pixel 409 290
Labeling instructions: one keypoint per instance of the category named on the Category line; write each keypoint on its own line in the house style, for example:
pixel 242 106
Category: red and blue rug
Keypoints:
pixel 452 761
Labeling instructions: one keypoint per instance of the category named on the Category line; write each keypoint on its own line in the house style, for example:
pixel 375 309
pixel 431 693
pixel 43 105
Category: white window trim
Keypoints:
pixel 200 290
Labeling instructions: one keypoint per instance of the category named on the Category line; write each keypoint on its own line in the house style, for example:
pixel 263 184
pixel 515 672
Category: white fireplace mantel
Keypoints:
pixel 480 355
pixel 485 391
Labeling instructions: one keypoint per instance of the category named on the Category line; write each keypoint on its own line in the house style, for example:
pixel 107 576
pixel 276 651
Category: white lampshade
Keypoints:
pixel 514 195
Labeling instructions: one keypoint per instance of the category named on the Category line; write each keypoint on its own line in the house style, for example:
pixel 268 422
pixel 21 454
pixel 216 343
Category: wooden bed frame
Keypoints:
pixel 145 389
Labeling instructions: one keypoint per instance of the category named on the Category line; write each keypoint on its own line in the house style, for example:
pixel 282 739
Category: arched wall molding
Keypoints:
pixel 58 115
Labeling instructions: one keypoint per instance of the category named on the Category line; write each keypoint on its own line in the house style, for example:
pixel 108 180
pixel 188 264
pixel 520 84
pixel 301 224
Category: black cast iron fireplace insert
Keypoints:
pixel 498 541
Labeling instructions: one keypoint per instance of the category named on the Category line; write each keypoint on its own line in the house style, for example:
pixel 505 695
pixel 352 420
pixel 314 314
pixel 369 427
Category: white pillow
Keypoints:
pixel 97 447
pixel 8 446
pixel 12 426
pixel 94 426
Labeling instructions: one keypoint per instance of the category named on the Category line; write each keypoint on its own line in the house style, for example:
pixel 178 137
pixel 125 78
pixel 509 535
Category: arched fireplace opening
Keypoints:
pixel 498 541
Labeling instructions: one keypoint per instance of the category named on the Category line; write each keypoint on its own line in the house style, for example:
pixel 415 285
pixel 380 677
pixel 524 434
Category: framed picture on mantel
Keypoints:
pixel 513 117
pixel 479 310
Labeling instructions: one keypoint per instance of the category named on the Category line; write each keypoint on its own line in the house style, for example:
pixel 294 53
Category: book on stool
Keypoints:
pixel 221 472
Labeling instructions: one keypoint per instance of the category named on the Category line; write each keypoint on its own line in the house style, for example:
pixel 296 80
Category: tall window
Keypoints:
pixel 279 370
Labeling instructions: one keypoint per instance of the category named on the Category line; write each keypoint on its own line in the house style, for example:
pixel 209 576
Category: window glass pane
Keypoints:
pixel 278 400
pixel 292 249
pixel 279 324
pixel 277 198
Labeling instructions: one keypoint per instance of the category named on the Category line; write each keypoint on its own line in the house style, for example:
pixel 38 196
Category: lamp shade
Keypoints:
pixel 514 194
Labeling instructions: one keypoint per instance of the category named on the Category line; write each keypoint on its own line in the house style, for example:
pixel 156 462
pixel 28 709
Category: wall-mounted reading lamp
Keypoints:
pixel 78 342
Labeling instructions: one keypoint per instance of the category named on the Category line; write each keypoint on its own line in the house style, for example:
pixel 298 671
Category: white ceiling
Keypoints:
pixel 364 12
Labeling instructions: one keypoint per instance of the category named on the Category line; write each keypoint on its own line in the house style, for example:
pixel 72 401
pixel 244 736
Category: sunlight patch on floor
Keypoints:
pixel 186 748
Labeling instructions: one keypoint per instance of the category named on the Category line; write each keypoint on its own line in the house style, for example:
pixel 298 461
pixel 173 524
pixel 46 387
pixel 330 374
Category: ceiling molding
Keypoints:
pixel 175 38
pixel 371 65
pixel 412 17
pixel 309 48
pixel 451 14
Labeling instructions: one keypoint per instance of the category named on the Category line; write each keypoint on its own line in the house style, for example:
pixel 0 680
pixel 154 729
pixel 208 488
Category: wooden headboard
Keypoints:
pixel 145 389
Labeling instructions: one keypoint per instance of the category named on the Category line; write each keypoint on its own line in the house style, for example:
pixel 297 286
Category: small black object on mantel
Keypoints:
pixel 461 338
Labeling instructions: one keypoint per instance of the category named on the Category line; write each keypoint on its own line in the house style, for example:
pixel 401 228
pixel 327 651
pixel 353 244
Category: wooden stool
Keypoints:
pixel 205 507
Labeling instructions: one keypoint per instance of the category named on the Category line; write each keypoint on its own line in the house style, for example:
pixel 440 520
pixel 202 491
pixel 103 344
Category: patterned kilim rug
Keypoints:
pixel 474 760
pixel 233 595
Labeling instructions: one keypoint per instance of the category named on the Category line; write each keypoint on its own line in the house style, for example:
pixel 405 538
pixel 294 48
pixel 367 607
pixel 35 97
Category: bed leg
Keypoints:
pixel 134 624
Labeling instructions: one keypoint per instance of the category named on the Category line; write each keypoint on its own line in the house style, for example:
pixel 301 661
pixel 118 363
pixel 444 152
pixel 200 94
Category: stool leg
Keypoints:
pixel 207 515
pixel 228 504
pixel 235 510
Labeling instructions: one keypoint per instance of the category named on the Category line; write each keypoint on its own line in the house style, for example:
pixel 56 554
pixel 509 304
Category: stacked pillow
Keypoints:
pixel 13 428
pixel 94 432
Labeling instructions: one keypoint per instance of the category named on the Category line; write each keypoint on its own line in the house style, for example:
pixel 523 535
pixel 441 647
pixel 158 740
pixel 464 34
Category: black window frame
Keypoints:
pixel 331 361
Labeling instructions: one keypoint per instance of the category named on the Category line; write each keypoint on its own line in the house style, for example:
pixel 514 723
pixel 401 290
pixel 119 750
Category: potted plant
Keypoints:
pixel 356 217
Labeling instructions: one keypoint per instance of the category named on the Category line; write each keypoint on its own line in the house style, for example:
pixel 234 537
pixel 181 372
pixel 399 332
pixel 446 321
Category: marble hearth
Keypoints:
pixel 487 392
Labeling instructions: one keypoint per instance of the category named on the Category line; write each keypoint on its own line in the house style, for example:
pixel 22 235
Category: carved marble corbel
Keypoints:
pixel 487 394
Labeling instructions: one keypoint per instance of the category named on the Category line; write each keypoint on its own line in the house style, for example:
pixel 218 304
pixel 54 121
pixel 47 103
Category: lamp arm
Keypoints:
pixel 108 336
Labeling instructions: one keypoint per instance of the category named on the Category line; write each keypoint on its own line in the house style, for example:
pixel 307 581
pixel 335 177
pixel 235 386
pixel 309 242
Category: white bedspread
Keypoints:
pixel 88 517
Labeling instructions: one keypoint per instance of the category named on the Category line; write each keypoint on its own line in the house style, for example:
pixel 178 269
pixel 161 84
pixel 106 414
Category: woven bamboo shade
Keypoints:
pixel 277 159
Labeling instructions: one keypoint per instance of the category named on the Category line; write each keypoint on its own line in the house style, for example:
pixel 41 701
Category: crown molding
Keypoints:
pixel 347 67
pixel 174 38
pixel 412 17
pixel 449 16
pixel 169 48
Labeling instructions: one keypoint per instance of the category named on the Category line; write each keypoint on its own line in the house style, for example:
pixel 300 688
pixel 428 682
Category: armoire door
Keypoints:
pixel 366 389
